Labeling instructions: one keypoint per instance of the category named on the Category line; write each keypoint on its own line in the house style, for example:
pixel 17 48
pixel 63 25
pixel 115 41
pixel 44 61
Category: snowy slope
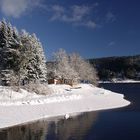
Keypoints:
pixel 59 93
pixel 17 108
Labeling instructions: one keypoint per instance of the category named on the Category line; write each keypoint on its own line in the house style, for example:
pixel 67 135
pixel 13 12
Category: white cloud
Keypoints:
pixel 112 43
pixel 110 17
pixel 89 24
pixel 16 8
pixel 72 14
pixel 76 14
pixel 81 15
pixel 58 12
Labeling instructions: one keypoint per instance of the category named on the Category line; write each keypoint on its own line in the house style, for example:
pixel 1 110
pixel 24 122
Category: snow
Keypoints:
pixel 22 107
pixel 60 93
pixel 121 81
pixel 128 81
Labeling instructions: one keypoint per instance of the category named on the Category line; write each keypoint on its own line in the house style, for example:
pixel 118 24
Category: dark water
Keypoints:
pixel 116 124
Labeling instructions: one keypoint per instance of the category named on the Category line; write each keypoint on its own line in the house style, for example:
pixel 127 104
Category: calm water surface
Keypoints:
pixel 115 124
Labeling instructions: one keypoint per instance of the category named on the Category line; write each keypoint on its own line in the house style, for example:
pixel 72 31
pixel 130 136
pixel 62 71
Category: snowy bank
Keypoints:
pixel 18 108
pixel 121 81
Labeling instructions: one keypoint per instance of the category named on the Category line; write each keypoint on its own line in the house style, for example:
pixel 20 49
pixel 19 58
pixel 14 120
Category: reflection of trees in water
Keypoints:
pixel 34 131
pixel 74 128
pixel 62 129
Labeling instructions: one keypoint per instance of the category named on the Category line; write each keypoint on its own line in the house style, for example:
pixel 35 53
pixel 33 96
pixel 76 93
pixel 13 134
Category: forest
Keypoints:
pixel 22 59
pixel 125 67
pixel 23 62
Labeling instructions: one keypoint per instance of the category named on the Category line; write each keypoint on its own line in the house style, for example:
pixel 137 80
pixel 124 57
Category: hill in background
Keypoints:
pixel 125 67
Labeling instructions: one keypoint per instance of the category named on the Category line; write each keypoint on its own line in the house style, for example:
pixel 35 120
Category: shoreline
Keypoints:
pixel 121 82
pixel 92 99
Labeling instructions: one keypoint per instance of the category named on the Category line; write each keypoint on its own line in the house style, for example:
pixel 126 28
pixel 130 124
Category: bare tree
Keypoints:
pixel 63 68
pixel 72 67
pixel 85 70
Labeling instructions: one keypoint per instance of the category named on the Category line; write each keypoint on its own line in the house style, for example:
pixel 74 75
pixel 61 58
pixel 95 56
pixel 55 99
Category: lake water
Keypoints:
pixel 115 124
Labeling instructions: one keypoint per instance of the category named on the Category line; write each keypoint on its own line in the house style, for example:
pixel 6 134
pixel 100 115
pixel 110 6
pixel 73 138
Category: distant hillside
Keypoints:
pixel 117 67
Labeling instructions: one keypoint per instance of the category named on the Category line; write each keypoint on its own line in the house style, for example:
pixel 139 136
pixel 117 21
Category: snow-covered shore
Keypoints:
pixel 120 81
pixel 19 108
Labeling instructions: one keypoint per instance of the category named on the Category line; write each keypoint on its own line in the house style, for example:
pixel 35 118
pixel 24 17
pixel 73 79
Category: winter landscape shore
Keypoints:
pixel 20 108
pixel 121 81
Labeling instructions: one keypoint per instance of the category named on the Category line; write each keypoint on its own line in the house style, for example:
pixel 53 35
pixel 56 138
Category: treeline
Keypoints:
pixel 22 62
pixel 22 59
pixel 70 68
pixel 126 67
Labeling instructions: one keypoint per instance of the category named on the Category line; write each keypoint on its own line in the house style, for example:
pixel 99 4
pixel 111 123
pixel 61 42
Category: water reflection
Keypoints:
pixel 56 129
pixel 35 131
pixel 74 128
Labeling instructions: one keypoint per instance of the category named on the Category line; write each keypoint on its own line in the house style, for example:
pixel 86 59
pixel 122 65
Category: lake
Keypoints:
pixel 114 124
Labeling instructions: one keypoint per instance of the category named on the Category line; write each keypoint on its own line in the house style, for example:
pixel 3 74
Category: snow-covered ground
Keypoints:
pixel 128 81
pixel 59 93
pixel 121 81
pixel 22 107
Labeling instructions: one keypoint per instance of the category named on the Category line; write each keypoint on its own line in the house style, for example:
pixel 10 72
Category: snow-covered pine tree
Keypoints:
pixel 17 48
pixel 3 34
pixel 14 48
pixel 40 59
pixel 21 56
pixel 8 54
pixel 5 71
pixel 29 73
pixel 34 63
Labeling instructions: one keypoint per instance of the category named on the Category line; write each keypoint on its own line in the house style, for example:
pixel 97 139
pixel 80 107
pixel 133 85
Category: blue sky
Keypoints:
pixel 92 28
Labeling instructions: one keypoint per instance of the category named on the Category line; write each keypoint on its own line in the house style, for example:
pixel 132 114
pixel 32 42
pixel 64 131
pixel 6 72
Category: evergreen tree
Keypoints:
pixel 33 57
pixel 21 56
pixel 28 58
pixel 8 54
pixel 40 59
